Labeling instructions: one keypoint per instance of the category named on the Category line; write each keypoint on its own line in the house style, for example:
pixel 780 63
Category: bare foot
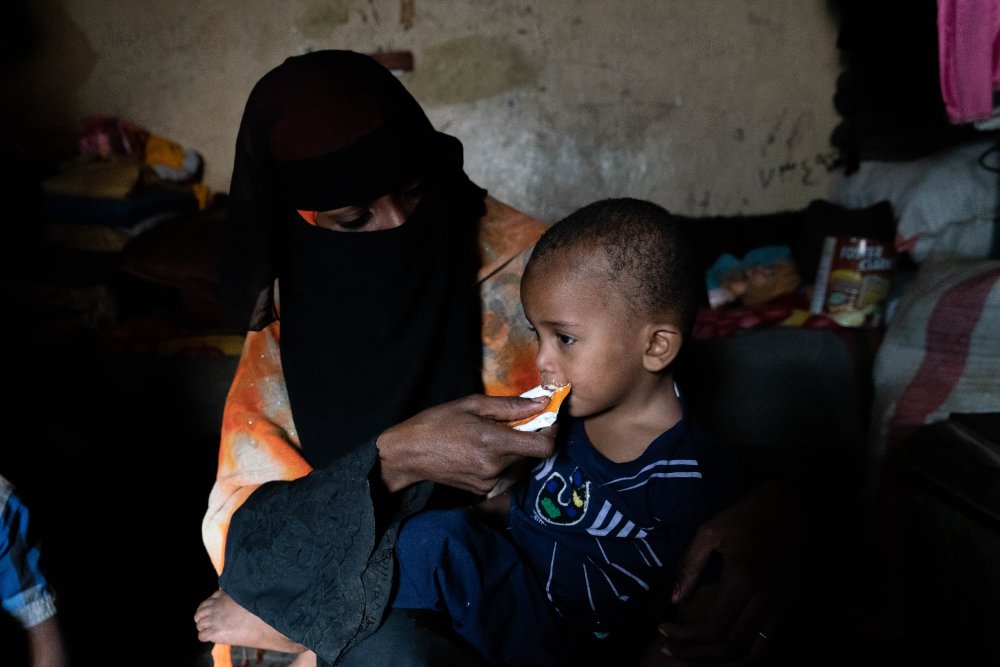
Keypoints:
pixel 221 620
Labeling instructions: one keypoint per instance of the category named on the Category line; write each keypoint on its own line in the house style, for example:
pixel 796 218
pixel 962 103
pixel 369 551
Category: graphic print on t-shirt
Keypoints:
pixel 601 535
pixel 561 502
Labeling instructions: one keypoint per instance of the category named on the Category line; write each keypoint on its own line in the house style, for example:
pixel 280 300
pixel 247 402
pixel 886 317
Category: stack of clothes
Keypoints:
pixel 124 180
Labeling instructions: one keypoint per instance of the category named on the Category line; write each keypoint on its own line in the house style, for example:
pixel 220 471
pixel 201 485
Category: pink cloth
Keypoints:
pixel 969 57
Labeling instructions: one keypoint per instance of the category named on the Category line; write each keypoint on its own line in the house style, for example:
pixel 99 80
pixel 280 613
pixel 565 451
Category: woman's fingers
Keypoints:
pixel 464 443
pixel 502 408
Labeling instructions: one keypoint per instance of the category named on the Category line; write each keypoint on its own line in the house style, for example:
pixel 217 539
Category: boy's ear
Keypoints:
pixel 663 342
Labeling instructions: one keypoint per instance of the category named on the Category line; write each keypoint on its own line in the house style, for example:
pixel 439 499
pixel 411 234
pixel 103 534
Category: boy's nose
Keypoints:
pixel 546 369
pixel 387 212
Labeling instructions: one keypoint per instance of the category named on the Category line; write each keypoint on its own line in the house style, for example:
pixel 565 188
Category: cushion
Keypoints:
pixel 945 202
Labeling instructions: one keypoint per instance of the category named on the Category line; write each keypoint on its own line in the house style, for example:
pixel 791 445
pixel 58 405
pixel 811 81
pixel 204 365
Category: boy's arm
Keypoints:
pixel 45 644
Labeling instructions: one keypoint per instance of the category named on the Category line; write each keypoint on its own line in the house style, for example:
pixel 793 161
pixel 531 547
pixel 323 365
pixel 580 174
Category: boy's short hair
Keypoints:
pixel 652 261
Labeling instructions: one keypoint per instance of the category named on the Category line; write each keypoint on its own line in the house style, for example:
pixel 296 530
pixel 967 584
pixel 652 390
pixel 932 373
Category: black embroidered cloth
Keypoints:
pixel 320 533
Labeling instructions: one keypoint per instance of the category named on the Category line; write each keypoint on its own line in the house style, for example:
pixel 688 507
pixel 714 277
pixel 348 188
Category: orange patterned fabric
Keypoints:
pixel 259 442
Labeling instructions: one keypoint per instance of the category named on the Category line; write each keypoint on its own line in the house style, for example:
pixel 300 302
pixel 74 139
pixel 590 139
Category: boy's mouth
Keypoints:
pixel 547 416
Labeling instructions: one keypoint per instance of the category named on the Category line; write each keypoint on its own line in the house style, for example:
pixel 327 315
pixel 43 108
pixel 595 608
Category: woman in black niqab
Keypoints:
pixel 375 326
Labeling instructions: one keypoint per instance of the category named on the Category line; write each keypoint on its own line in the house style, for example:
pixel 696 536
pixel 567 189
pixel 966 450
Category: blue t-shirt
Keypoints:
pixel 24 590
pixel 601 535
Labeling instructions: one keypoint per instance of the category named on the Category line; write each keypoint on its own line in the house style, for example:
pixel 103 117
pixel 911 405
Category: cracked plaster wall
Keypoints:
pixel 711 107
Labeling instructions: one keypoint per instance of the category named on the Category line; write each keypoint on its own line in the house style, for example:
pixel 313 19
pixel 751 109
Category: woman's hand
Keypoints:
pixel 465 444
pixel 733 620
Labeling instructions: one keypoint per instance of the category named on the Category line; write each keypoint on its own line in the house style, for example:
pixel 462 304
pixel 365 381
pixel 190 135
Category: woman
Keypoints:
pixel 361 379
pixel 374 327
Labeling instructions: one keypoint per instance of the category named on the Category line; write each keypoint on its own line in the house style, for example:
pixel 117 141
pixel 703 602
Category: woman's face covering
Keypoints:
pixel 384 212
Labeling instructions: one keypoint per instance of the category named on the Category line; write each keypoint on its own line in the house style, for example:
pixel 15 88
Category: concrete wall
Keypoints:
pixel 705 106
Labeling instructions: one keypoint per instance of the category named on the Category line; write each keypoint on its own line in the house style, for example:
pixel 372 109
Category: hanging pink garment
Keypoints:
pixel 969 57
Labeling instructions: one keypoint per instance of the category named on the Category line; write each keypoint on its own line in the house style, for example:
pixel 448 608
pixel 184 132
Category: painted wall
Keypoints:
pixel 707 107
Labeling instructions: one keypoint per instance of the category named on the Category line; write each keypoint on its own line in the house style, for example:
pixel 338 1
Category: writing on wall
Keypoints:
pixel 782 162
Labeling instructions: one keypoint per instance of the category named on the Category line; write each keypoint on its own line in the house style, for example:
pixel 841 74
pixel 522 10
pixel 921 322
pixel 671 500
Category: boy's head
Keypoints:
pixel 611 290
pixel 650 260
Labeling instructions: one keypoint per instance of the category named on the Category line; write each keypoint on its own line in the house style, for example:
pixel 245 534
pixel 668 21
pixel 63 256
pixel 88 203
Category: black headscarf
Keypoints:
pixel 375 326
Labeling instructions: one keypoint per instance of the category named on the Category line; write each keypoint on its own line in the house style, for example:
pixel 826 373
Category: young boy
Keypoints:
pixel 576 561
pixel 25 592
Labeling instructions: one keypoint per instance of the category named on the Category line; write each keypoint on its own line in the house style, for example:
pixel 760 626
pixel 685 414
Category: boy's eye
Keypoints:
pixel 565 340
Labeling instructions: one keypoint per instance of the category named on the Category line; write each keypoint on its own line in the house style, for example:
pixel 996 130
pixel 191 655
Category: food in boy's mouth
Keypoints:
pixel 547 417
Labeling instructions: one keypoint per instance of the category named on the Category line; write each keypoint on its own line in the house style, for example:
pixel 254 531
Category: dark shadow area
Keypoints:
pixel 113 447
pixel 117 485
pixel 789 402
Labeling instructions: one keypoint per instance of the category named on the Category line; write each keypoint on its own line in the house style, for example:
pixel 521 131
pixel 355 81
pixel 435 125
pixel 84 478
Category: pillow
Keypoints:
pixel 945 202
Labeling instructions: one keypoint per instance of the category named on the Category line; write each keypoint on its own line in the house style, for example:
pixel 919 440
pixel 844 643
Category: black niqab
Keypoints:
pixel 375 326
